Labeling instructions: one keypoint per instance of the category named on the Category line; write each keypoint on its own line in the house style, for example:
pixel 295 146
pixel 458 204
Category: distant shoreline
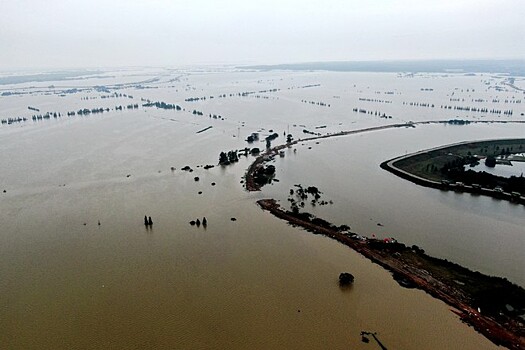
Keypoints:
pixel 514 67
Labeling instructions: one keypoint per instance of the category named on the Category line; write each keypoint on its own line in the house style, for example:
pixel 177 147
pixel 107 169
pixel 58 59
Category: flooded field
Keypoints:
pixel 458 227
pixel 507 169
pixel 80 270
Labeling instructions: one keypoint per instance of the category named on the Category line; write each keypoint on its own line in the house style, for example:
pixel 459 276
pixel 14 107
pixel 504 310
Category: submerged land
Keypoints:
pixel 111 147
pixel 494 306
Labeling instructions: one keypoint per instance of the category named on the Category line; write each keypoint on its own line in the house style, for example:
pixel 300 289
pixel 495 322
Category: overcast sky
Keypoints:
pixel 104 33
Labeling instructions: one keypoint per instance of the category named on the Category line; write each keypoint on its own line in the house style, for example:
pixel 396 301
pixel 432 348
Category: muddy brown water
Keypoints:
pixel 69 283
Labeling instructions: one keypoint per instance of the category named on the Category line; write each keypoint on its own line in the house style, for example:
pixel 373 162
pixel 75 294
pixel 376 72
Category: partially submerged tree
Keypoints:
pixel 490 161
pixel 346 279
pixel 223 159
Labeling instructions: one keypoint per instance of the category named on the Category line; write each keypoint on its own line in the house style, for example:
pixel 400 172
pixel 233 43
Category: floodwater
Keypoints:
pixel 482 233
pixel 69 282
pixel 501 169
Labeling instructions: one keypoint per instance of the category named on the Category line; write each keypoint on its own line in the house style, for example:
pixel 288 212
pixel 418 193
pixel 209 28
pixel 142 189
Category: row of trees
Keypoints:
pixel 162 105
pixel 242 94
pixel 455 170
pixel 478 110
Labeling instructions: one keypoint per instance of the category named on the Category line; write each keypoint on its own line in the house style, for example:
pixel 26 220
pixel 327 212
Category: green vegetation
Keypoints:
pixel 448 164
pixel 490 161
pixel 264 175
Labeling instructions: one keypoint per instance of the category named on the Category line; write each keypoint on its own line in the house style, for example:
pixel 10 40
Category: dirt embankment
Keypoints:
pixel 500 301
pixel 459 287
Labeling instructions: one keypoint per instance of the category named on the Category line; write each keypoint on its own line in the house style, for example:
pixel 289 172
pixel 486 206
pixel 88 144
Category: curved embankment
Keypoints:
pixel 459 287
pixel 389 166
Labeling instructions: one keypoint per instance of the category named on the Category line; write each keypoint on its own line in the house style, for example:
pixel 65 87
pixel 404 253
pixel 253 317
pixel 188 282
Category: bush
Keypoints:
pixel 490 161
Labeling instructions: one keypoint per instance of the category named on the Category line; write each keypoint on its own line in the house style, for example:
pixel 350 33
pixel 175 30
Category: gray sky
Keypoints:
pixel 102 33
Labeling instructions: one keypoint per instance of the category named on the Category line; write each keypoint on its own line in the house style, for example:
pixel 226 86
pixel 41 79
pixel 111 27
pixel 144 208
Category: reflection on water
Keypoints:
pixel 501 169
pixel 68 282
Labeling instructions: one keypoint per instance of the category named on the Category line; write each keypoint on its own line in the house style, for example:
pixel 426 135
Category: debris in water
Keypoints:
pixel 203 130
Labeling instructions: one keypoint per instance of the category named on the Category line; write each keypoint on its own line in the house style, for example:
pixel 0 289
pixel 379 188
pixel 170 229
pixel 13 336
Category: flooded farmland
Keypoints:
pixel 80 270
